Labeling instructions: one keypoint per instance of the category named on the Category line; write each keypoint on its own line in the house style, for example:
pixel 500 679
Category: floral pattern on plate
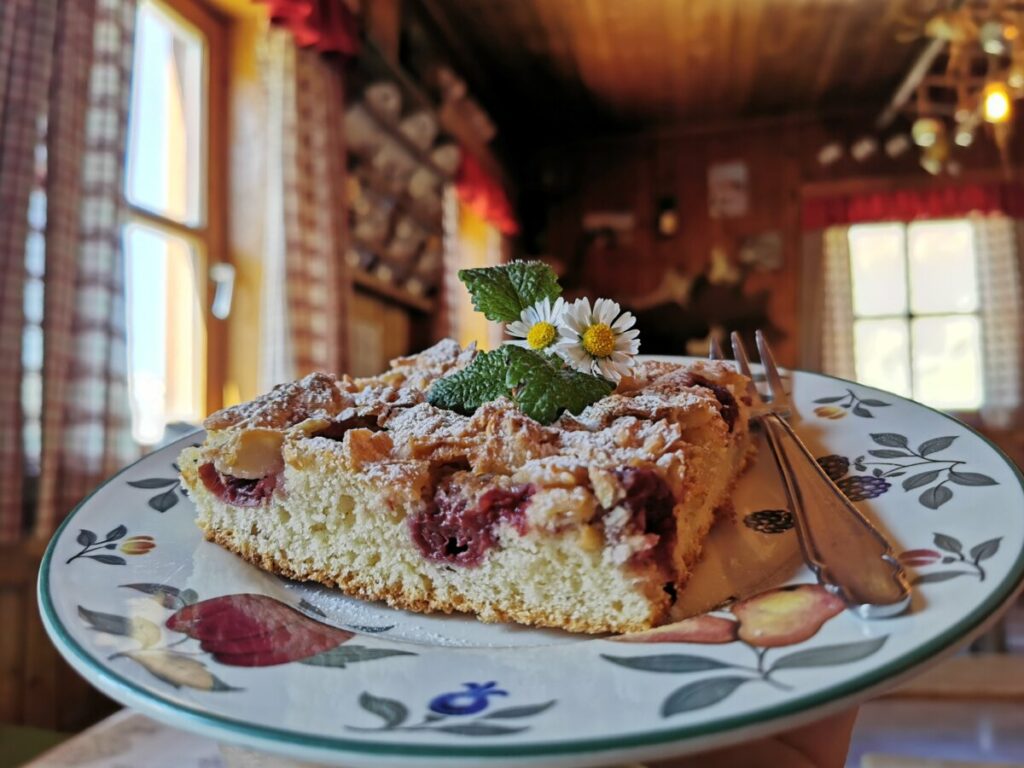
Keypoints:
pixel 936 476
pixel 246 630
pixel 776 618
pixel 93 546
pixel 193 635
pixel 962 565
pixel 470 707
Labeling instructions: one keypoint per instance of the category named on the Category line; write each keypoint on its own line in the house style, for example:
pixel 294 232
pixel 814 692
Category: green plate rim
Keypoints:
pixel 902 664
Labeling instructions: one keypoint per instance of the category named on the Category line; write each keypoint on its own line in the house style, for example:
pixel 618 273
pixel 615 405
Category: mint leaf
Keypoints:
pixel 466 390
pixel 544 386
pixel 540 385
pixel 502 293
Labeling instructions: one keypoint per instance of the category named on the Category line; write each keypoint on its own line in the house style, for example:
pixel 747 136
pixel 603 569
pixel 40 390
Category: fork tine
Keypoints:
pixel 771 370
pixel 740 353
pixel 716 349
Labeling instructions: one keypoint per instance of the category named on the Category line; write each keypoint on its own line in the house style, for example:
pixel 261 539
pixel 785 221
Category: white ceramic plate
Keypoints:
pixel 181 630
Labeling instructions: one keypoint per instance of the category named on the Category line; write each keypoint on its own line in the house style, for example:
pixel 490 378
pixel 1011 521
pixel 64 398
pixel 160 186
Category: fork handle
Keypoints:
pixel 850 557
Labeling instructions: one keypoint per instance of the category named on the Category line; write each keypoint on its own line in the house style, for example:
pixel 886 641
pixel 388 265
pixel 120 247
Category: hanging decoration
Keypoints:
pixel 483 195
pixel 330 26
pixel 965 83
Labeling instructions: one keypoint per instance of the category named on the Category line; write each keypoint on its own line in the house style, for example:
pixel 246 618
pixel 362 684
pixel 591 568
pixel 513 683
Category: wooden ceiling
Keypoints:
pixel 567 62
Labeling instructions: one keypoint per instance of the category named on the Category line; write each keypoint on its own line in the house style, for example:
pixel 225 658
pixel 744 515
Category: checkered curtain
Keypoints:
pixel 64 77
pixel 999 288
pixel 303 319
pixel 837 355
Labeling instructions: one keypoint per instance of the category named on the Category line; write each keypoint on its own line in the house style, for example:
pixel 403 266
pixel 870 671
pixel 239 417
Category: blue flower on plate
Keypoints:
pixel 467 702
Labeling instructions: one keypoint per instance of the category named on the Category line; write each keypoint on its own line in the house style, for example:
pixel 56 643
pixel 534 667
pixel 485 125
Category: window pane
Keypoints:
pixel 165 144
pixel 878 269
pixel 947 362
pixel 882 354
pixel 165 340
pixel 942 267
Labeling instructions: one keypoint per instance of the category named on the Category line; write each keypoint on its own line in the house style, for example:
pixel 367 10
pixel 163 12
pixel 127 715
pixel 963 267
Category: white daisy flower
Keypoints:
pixel 598 340
pixel 537 326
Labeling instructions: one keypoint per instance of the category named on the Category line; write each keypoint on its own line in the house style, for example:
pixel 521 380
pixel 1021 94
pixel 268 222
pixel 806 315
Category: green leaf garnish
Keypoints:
pixel 466 390
pixel 502 293
pixel 540 385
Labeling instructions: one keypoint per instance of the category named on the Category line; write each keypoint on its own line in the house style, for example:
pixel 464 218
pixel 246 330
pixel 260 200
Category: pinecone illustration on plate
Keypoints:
pixel 835 466
pixel 769 521
pixel 862 487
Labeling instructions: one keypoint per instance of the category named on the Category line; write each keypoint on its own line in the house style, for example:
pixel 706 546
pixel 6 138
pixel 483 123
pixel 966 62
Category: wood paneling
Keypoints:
pixel 665 59
pixel 37 687
pixel 629 174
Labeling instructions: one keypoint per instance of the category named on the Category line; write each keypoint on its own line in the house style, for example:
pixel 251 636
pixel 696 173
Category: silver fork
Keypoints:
pixel 851 557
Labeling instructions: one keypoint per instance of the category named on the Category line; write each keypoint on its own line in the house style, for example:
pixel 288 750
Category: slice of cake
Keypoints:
pixel 590 524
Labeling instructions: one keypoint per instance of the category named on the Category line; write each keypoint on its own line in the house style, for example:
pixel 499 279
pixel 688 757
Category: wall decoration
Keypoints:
pixel 728 190
pixel 762 252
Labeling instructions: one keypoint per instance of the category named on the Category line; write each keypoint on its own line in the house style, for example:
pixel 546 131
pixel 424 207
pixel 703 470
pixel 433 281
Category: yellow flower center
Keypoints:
pixel 541 335
pixel 599 340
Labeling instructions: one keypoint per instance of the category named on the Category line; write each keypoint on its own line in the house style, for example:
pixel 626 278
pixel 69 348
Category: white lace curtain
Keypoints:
pixel 996 239
pixel 302 317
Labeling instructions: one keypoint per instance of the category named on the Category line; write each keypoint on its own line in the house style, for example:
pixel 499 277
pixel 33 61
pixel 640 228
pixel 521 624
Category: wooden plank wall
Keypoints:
pixel 631 173
pixel 37 687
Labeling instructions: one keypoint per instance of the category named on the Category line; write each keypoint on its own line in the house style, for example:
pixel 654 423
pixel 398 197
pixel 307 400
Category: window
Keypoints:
pixel 917 330
pixel 172 228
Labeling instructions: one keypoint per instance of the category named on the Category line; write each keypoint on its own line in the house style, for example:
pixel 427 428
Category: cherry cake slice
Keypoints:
pixel 591 524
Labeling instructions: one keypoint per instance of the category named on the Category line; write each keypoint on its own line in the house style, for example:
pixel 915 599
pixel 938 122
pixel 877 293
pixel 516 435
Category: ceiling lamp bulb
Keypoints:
pixel 991 37
pixel 863 148
pixel 995 103
pixel 1015 75
pixel 964 137
pixel 925 131
pixel 897 145
pixel 830 153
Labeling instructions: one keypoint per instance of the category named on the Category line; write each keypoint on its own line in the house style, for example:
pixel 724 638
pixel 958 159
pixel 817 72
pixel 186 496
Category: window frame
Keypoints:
pixel 908 316
pixel 207 237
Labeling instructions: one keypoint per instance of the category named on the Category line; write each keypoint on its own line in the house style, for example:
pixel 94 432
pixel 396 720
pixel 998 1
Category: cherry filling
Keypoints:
pixel 729 409
pixel 236 490
pixel 449 531
pixel 650 503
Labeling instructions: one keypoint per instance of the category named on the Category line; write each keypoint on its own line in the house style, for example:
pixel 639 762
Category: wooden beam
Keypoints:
pixel 913 78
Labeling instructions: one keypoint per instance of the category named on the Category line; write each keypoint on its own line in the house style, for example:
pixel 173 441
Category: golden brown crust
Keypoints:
pixel 352 585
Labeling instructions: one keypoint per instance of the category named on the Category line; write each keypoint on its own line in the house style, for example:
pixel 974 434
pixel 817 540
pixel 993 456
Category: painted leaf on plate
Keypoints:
pixel 970 478
pixel 165 594
pixel 163 501
pixel 921 479
pixel 700 694
pixel 479 729
pixel 948 543
pixel 525 711
pixel 933 498
pixel 153 482
pixel 830 655
pixel 179 670
pixel 890 439
pixel 391 711
pixel 142 630
pixel 348 654
pixel 674 663
pixel 985 550
pixel 935 445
